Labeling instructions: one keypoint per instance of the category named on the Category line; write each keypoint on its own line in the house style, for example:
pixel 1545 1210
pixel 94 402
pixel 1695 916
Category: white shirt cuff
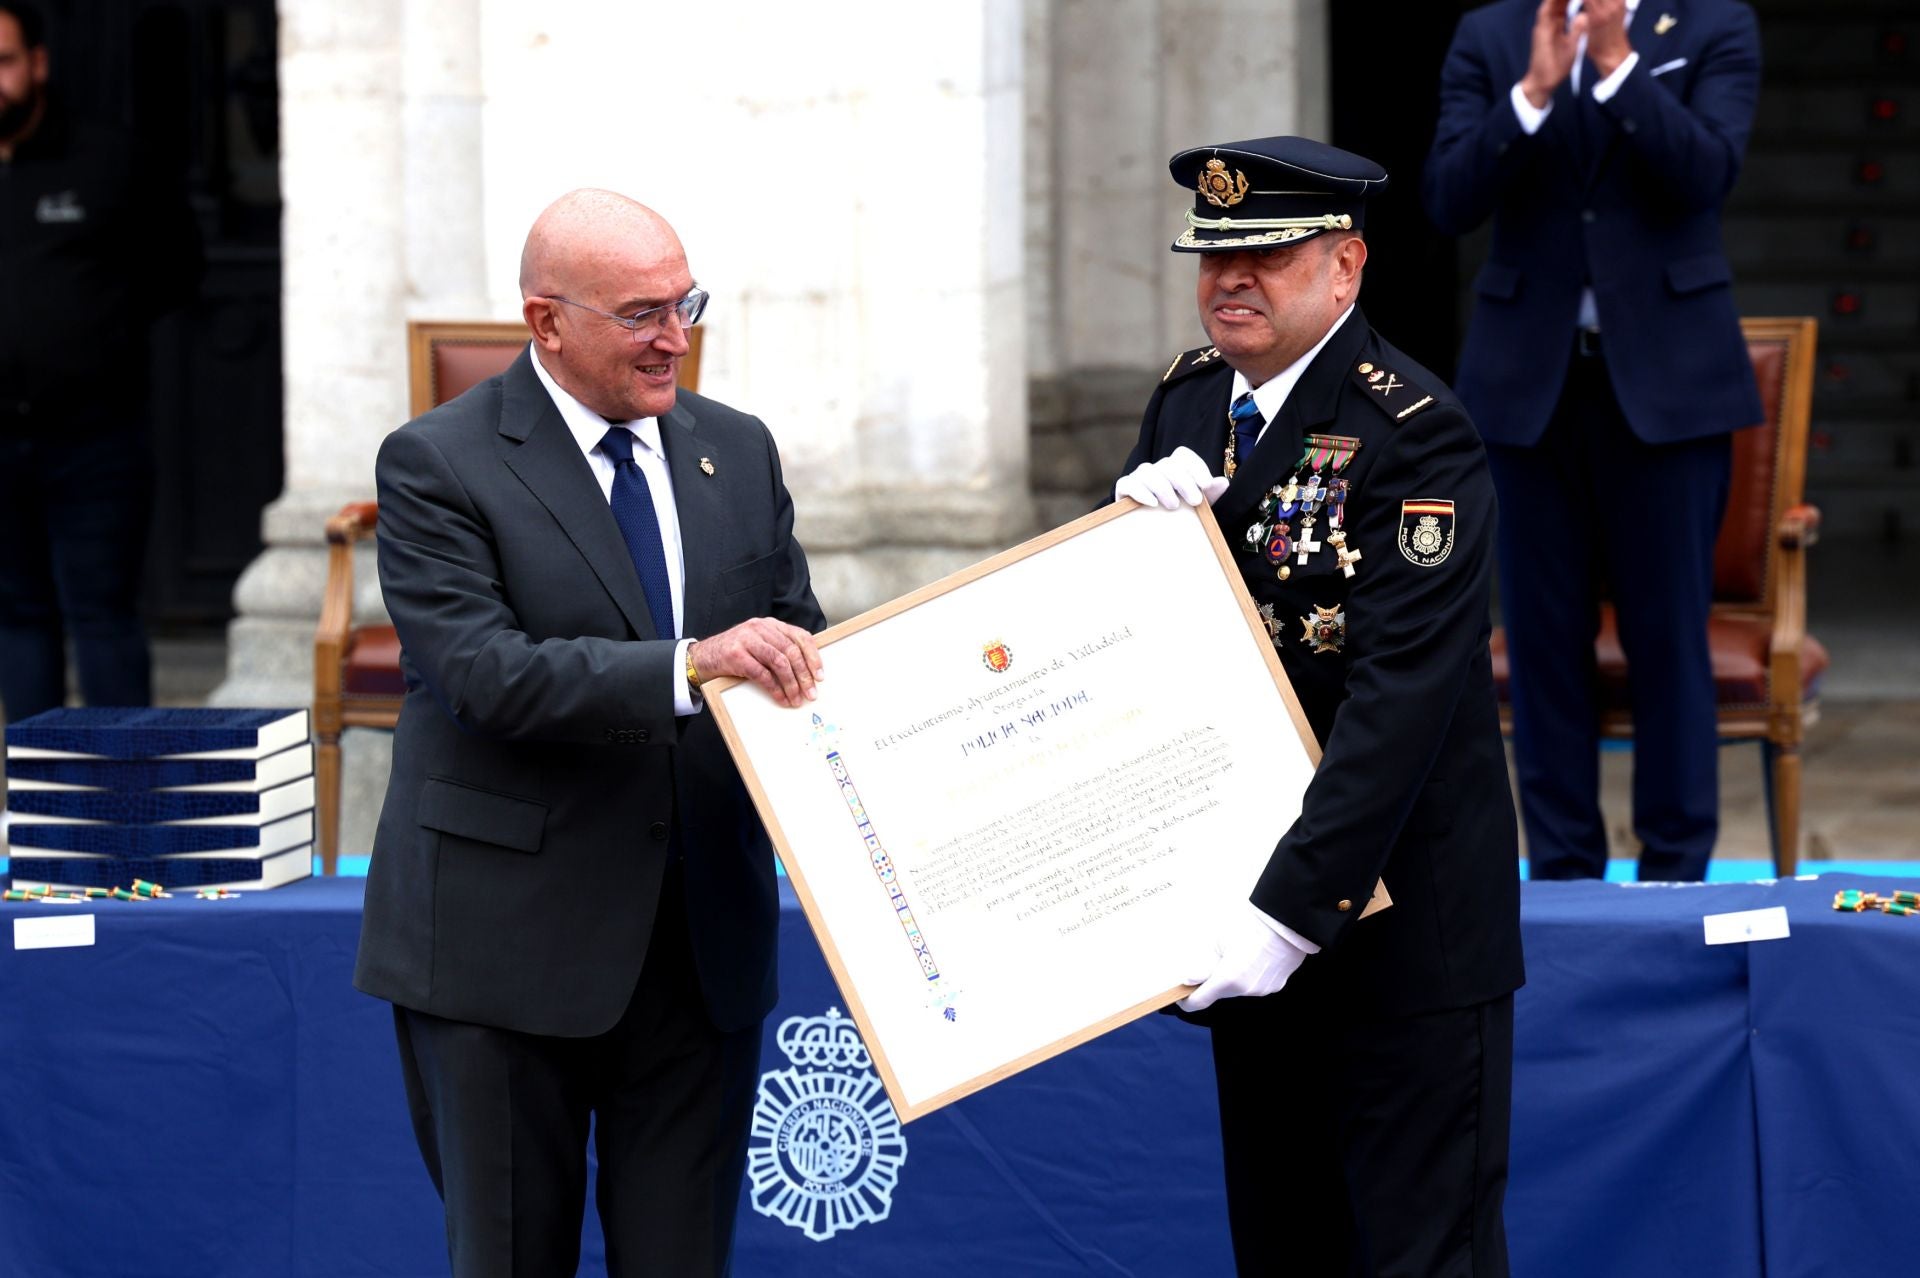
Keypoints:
pixel 1286 933
pixel 1531 116
pixel 1611 85
pixel 685 699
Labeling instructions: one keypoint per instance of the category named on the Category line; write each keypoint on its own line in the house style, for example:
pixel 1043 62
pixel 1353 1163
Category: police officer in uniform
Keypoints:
pixel 1364 1063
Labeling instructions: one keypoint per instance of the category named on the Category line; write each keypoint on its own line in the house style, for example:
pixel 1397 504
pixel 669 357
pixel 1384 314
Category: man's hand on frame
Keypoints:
pixel 781 658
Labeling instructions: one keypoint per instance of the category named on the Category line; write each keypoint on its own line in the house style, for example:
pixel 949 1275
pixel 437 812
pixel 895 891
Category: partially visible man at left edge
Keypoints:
pixel 93 246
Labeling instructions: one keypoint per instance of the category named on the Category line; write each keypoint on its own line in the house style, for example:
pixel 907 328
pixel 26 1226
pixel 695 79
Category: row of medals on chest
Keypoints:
pixel 1315 486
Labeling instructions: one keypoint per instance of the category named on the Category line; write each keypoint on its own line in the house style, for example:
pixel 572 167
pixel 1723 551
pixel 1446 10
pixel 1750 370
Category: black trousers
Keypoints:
pixel 1593 510
pixel 502 1119
pixel 1363 1148
pixel 74 510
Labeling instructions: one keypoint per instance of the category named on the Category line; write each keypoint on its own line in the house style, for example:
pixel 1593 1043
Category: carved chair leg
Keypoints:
pixel 326 781
pixel 1783 805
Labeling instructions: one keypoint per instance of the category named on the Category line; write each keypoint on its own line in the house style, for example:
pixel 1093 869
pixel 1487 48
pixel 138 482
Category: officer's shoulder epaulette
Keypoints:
pixel 1192 362
pixel 1388 391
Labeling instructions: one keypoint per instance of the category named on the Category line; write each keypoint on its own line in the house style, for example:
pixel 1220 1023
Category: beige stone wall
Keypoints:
pixel 935 234
pixel 1115 87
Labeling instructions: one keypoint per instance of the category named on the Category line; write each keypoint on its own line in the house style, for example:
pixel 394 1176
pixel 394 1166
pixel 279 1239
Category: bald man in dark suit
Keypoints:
pixel 571 903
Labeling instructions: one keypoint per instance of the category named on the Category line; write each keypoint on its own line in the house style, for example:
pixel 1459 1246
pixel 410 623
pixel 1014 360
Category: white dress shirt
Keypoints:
pixel 1532 117
pixel 1269 396
pixel 588 428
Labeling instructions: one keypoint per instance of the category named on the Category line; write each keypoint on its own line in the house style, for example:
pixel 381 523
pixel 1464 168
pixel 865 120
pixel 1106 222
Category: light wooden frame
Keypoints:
pixel 716 701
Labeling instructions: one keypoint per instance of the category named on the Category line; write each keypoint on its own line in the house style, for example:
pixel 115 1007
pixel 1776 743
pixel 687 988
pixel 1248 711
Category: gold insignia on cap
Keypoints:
pixel 1220 190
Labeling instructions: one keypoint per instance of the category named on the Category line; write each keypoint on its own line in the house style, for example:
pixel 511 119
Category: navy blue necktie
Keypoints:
pixel 632 504
pixel 1247 421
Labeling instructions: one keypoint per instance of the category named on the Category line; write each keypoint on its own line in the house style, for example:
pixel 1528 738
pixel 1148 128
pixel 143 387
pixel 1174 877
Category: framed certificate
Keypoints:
pixel 1027 793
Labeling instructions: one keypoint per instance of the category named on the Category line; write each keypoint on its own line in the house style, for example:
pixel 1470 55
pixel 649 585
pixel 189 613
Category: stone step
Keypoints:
pixel 1824 46
pixel 1880 305
pixel 1870 451
pixel 1889 512
pixel 1788 171
pixel 1840 109
pixel 1778 242
pixel 1867 377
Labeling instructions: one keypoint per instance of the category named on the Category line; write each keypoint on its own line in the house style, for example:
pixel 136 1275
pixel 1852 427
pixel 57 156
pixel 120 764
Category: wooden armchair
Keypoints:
pixel 1766 667
pixel 356 669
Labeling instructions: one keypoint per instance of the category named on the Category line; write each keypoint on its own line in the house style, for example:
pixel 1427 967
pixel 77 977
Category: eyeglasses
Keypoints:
pixel 648 324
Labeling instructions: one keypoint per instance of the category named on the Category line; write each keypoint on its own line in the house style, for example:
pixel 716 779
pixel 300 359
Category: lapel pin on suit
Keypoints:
pixel 1667 23
pixel 706 464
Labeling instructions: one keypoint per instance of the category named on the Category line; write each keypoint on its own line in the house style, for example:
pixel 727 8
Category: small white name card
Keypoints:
pixel 1742 926
pixel 54 932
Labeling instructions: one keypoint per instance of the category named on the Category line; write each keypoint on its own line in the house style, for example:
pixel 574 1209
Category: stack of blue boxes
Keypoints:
pixel 184 798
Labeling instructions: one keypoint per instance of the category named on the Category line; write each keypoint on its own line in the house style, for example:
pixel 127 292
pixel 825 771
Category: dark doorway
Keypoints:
pixel 196 81
pixel 1385 78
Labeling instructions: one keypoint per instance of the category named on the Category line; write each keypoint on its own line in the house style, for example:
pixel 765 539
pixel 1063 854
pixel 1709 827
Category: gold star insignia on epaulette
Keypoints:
pixel 1375 378
pixel 1187 361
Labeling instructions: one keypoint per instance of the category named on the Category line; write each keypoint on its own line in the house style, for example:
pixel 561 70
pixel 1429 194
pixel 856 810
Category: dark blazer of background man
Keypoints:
pixel 571 901
pixel 1605 368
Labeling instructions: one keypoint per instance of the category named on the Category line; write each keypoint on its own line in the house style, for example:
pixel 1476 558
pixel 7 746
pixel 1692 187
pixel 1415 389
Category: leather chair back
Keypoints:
pixel 448 358
pixel 1742 557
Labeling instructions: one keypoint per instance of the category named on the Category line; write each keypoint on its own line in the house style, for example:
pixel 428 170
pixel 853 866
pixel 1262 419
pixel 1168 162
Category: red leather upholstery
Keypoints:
pixel 1739 645
pixel 372 665
pixel 460 366
pixel 1746 534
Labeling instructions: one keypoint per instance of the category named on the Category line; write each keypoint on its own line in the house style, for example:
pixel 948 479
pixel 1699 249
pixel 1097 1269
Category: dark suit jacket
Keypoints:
pixel 540 776
pixel 1625 195
pixel 1412 787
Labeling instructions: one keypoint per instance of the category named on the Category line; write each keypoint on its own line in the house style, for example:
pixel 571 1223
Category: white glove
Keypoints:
pixel 1179 479
pixel 1253 960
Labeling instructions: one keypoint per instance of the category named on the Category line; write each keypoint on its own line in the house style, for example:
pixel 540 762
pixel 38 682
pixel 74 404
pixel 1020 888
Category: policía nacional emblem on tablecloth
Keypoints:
pixel 997 657
pixel 826 1148
pixel 1426 531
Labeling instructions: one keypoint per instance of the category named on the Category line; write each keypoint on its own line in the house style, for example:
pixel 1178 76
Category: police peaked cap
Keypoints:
pixel 1270 192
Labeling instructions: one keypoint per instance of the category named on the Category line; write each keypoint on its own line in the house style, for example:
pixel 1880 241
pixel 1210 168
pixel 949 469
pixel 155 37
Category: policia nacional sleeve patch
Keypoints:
pixel 1426 531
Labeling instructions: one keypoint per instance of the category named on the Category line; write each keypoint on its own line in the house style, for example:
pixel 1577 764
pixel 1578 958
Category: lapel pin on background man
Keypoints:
pixel 1605 367
pixel 571 903
pixel 1364 1065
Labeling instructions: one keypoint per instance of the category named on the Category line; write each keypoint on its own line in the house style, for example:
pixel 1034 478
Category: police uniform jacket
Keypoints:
pixel 1412 786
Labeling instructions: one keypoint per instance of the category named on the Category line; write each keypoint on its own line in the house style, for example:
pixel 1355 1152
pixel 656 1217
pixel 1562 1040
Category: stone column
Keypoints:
pixel 1126 84
pixel 380 166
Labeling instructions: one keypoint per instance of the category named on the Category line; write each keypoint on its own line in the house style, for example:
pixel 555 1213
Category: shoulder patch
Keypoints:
pixel 1391 393
pixel 1192 362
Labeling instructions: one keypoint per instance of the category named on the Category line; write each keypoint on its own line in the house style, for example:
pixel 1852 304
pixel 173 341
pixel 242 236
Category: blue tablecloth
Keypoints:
pixel 202 1093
